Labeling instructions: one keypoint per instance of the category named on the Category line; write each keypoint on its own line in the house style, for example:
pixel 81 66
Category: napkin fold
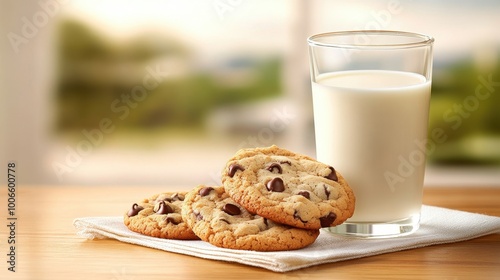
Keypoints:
pixel 437 226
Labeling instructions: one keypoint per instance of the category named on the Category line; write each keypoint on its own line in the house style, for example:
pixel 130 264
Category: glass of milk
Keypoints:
pixel 371 92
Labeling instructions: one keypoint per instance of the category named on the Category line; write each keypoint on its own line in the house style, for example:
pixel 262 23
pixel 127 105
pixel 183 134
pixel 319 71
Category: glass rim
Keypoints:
pixel 421 40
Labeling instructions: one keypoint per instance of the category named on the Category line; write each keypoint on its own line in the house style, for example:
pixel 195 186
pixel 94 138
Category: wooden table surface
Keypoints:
pixel 47 247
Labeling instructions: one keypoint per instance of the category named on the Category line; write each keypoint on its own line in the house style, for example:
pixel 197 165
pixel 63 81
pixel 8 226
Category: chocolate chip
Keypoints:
pixel 327 192
pixel 134 210
pixel 332 175
pixel 276 185
pixel 274 166
pixel 233 168
pixel 178 196
pixel 327 220
pixel 231 209
pixel 305 194
pixel 162 208
pixel 296 216
pixel 205 191
pixel 198 216
pixel 172 221
pixel 225 221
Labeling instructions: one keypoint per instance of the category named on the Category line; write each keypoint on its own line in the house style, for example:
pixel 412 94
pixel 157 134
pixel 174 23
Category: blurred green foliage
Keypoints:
pixel 465 104
pixel 95 73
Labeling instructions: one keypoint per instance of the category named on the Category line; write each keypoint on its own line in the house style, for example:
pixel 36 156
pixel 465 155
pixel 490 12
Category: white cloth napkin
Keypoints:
pixel 438 225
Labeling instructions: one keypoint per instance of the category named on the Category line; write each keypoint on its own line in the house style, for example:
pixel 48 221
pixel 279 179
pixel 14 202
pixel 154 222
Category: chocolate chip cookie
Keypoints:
pixel 288 188
pixel 160 216
pixel 219 220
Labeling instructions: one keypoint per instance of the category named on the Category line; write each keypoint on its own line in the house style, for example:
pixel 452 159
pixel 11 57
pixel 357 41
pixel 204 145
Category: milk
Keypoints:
pixel 367 126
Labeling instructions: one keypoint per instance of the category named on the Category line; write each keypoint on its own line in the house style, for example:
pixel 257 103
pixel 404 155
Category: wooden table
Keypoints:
pixel 47 247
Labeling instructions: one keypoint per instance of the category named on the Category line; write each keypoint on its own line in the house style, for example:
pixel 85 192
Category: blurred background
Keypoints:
pixel 164 92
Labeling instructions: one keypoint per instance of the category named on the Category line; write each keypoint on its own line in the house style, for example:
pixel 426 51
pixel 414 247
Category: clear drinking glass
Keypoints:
pixel 371 92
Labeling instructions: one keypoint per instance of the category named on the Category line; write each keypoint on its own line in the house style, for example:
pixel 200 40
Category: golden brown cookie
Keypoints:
pixel 288 188
pixel 219 220
pixel 159 216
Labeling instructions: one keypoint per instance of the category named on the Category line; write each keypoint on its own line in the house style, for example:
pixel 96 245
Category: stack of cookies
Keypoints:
pixel 271 199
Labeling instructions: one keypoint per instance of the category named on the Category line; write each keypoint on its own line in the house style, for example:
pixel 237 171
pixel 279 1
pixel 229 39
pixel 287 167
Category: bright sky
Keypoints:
pixel 197 21
pixel 221 26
